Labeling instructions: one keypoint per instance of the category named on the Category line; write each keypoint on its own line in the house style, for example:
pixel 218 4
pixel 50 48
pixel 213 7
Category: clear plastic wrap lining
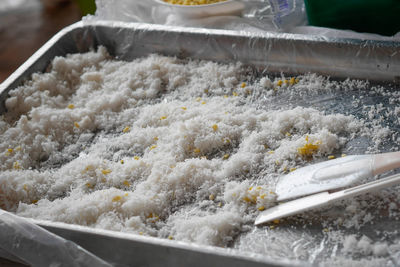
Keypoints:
pixel 38 247
pixel 272 52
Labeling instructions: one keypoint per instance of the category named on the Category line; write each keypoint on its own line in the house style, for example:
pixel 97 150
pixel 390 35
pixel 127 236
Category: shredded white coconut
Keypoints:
pixel 184 149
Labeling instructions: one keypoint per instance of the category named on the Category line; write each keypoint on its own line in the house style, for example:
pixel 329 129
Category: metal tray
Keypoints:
pixel 275 52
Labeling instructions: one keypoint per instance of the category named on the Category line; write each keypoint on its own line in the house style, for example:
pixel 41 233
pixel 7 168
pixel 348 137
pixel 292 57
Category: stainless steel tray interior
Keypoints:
pixel 274 52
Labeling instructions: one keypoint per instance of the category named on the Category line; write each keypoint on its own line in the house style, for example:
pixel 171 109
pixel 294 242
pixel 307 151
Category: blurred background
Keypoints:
pixel 25 25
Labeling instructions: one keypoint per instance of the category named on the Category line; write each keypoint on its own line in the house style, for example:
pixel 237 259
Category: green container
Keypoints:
pixel 373 16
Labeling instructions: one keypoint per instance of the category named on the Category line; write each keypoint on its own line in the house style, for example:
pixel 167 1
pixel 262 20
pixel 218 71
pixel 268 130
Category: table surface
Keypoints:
pixel 24 29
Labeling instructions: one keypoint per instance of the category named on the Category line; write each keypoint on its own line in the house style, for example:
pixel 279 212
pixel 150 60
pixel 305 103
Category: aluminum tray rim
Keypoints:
pixel 178 29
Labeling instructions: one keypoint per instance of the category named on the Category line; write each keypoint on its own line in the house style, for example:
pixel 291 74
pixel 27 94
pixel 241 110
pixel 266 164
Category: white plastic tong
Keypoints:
pixel 330 175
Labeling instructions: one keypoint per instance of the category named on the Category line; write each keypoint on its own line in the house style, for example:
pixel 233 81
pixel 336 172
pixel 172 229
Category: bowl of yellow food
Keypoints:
pixel 204 8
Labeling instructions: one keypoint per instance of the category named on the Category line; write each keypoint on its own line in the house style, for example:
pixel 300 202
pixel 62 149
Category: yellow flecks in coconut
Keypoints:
pixel 89 185
pixel 136 157
pixel 343 155
pixel 88 168
pixel 277 221
pixel 271 152
pixel 126 194
pixel 170 237
pixel 126 183
pixel 211 197
pixel 261 208
pixel 35 201
pixel 226 140
pixel 308 149
pixel 226 156
pixel 266 146
pixel 140 233
pixel 71 106
pixel 243 85
pixel 116 199
pixel 256 195
pixel 122 161
pixel 154 217
pixel 215 127
pixel 325 230
pixel 279 83
pixel 184 108
pixel 292 169
pixel 247 199
pixel 288 134
pixel 16 165
pixel 226 96
pixel 18 148
pixel 234 94
pixel 76 125
pixel 106 171
pixel 152 147
pixel 126 129
pixel 196 150
pixel 155 138
pixel 206 91
pixel 331 157
pixel 203 102
pixel 163 118
pixel 25 187
pixel 198 99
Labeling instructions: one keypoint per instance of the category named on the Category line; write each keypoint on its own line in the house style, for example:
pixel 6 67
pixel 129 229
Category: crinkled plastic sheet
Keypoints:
pixel 258 16
pixel 29 243
pixel 275 52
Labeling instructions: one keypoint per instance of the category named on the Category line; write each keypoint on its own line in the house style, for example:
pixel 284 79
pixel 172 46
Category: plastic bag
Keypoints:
pixel 256 15
pixel 288 14
pixel 24 241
